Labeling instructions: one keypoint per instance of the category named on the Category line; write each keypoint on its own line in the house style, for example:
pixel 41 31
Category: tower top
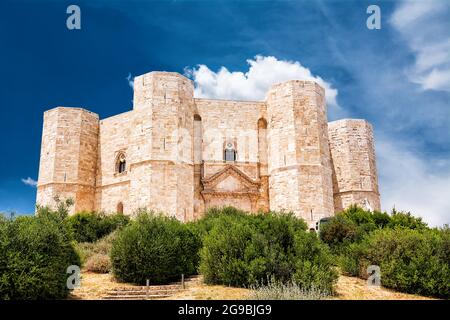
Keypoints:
pixel 158 86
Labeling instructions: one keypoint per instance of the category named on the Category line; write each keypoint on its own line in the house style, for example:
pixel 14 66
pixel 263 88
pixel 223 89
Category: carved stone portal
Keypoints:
pixel 231 187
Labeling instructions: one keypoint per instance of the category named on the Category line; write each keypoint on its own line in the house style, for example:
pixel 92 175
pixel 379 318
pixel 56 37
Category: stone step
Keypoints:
pixel 133 297
pixel 150 292
pixel 161 287
pixel 142 292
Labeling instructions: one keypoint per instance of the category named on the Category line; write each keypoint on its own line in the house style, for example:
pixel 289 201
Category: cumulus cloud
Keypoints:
pixel 263 72
pixel 410 183
pixel 407 181
pixel 426 28
pixel 29 182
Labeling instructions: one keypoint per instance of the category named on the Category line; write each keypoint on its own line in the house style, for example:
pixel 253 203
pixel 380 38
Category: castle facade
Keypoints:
pixel 182 155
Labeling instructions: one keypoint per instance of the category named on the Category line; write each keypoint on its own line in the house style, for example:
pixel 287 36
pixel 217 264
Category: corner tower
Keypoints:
pixel 168 98
pixel 299 161
pixel 354 168
pixel 68 157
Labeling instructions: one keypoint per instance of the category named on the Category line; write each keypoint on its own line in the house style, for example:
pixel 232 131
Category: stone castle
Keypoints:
pixel 182 155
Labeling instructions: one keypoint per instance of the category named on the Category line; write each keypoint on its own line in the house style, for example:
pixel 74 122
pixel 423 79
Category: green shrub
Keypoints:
pixel 91 226
pixel 84 226
pixel 405 220
pixel 242 249
pixel 202 226
pixel 354 223
pixel 338 232
pixel 35 252
pixel 313 266
pixel 414 261
pixel 362 218
pixel 156 248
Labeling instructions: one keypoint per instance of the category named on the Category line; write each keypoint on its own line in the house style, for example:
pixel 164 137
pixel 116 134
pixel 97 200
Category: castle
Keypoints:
pixel 182 155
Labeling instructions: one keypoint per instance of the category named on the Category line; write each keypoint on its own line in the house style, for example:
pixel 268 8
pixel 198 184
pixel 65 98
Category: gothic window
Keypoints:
pixel 230 152
pixel 121 163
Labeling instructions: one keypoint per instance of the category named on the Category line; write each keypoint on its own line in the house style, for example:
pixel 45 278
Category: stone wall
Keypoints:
pixel 168 99
pixel 299 158
pixel 68 157
pixel 235 122
pixel 353 155
pixel 174 149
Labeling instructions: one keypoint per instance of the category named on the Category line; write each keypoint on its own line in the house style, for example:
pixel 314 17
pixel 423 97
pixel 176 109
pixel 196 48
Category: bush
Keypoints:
pixel 156 248
pixel 354 223
pixel 99 263
pixel 241 249
pixel 91 226
pixel 204 225
pixel 276 290
pixel 339 231
pixel 35 252
pixel 413 261
pixel 405 220
pixel 313 266
pixel 101 247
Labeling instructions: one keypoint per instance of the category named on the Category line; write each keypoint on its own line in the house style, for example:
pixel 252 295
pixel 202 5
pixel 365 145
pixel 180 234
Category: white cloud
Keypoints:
pixel 30 182
pixel 263 72
pixel 426 28
pixel 130 80
pixel 407 182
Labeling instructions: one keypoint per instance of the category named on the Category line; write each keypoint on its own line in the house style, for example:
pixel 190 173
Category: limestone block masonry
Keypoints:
pixel 181 155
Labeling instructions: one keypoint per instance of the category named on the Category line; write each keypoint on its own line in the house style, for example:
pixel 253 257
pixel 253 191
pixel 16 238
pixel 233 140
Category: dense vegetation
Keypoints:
pixel 95 255
pixel 412 257
pixel 241 249
pixel 410 260
pixel 91 226
pixel 272 252
pixel 35 252
pixel 156 248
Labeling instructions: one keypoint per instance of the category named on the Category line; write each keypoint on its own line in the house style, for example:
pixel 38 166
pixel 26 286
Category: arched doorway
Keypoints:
pixel 120 208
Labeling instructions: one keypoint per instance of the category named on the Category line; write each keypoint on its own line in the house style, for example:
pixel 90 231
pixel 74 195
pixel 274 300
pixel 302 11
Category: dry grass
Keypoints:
pixel 99 262
pixel 94 286
pixel 101 246
pixel 201 291
pixel 351 288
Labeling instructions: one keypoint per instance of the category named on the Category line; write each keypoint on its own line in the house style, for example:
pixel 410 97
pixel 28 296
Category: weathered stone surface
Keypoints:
pixel 353 155
pixel 283 155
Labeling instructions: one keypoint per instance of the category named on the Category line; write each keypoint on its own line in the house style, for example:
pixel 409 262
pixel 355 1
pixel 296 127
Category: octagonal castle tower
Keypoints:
pixel 181 155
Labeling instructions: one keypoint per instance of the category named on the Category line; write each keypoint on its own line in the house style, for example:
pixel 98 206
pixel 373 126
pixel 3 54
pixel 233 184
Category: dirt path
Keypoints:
pixel 95 286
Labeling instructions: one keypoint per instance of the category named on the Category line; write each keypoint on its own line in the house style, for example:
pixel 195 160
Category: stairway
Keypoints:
pixel 150 292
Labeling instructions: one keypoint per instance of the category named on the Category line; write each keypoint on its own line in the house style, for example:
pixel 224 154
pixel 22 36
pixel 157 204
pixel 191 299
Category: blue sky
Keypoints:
pixel 397 77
